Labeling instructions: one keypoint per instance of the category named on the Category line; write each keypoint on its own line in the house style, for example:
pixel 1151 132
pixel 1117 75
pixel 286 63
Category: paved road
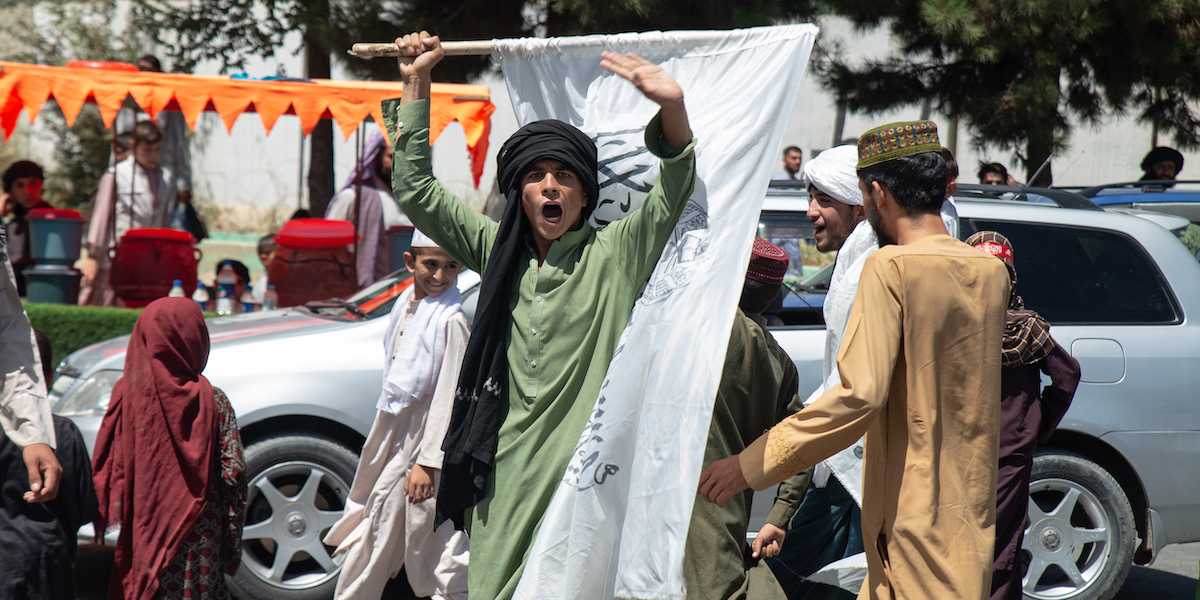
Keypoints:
pixel 1171 577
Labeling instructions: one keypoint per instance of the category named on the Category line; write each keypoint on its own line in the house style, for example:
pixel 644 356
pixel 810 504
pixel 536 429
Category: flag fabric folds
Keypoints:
pixel 617 524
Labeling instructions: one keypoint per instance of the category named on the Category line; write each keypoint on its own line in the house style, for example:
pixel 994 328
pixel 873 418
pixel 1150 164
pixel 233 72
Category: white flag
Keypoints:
pixel 617 524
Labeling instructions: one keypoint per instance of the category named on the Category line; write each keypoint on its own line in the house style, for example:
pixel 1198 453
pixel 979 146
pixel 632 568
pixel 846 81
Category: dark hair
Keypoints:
pixel 151 60
pixel 951 164
pixel 20 170
pixel 301 213
pixel 994 168
pixel 266 244
pixel 918 182
pixel 46 354
pixel 146 132
pixel 123 141
pixel 239 269
pixel 757 296
pixel 792 149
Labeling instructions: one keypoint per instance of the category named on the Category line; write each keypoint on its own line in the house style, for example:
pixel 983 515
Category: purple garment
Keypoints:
pixel 370 256
pixel 1027 419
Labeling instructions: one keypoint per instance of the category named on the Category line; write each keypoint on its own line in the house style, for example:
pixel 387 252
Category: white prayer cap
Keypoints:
pixel 833 172
pixel 420 240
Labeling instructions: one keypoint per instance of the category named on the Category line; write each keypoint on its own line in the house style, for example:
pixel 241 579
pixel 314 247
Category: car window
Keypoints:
pixel 793 232
pixel 1074 275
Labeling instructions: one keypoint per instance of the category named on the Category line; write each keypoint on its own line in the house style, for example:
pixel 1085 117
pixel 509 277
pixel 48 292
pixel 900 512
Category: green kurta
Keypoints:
pixel 567 317
pixel 757 390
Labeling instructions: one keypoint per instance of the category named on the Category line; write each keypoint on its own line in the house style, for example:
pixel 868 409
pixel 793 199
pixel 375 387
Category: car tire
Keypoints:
pixel 1080 535
pixel 297 490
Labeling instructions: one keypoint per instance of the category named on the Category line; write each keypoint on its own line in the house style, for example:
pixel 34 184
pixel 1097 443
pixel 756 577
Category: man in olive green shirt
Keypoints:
pixel 758 389
pixel 571 293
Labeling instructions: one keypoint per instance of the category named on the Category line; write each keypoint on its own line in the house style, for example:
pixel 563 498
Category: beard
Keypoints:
pixel 877 223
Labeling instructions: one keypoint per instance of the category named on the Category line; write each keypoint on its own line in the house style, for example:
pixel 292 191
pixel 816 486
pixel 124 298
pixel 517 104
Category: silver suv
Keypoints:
pixel 1120 479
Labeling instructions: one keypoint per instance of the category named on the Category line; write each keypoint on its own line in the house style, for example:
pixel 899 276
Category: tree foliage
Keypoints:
pixel 230 31
pixel 1017 71
pixel 66 31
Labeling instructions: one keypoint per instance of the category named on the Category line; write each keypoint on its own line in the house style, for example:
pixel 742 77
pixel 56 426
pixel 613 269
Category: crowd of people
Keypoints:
pixel 1162 164
pixel 914 453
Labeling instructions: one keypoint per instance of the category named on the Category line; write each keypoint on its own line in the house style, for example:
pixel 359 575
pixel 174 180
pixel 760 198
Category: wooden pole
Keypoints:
pixel 378 50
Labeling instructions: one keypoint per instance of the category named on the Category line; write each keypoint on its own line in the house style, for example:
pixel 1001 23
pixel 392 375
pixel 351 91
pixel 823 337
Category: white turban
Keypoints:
pixel 420 240
pixel 833 172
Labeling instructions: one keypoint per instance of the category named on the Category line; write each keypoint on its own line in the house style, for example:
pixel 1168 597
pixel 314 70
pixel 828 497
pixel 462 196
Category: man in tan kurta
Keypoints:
pixel 919 371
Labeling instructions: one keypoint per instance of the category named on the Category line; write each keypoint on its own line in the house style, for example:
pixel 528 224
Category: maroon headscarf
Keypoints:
pixel 156 446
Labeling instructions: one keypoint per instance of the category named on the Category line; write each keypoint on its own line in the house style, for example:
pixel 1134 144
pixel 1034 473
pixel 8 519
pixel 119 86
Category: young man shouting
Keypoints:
pixel 555 297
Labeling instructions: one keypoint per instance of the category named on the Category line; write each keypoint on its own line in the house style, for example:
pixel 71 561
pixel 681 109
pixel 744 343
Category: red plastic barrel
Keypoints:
pixel 146 261
pixel 313 261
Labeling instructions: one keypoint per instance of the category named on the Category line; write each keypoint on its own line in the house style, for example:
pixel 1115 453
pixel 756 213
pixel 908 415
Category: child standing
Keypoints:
pixel 136 193
pixel 388 522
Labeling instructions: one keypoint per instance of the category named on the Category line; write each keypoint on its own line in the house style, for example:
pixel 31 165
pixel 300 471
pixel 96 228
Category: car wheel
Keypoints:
pixel 297 490
pixel 1080 536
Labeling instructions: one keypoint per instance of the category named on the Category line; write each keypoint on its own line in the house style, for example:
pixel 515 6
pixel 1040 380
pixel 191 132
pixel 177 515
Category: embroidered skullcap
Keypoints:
pixel 1160 154
pixel 548 139
pixel 420 240
pixel 897 140
pixel 832 172
pixel 768 262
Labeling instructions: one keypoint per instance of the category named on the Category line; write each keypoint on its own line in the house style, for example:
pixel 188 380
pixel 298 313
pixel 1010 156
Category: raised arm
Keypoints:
pixel 464 233
pixel 642 235
pixel 661 88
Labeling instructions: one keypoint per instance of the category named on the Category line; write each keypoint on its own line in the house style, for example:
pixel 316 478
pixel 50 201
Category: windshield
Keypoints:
pixel 1190 237
pixel 792 231
pixel 819 280
pixel 373 301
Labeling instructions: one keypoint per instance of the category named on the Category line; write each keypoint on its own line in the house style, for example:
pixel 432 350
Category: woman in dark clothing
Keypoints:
pixel 1027 417
pixel 37 560
pixel 168 463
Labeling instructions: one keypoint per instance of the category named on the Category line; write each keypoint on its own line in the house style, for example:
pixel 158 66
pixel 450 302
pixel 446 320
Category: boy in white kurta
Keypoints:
pixel 388 522
pixel 136 193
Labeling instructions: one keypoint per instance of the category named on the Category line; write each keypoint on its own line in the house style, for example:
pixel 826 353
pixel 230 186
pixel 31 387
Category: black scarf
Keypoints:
pixel 480 400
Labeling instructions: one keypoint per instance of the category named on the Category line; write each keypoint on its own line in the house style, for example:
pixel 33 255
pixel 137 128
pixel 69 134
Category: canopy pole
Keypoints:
pixel 378 50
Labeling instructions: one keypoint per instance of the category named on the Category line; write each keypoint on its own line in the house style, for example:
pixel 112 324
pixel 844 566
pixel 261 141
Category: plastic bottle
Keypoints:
pixel 226 283
pixel 270 298
pixel 200 296
pixel 179 218
pixel 247 299
pixel 176 289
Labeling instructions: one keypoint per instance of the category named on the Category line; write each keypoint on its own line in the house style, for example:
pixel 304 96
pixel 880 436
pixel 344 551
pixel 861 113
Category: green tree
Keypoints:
pixel 65 31
pixel 1017 71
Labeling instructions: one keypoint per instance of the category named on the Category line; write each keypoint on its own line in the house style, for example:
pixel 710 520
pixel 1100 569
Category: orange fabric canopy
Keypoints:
pixel 349 103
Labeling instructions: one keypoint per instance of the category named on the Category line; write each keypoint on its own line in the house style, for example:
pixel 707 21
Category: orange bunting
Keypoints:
pixel 349 103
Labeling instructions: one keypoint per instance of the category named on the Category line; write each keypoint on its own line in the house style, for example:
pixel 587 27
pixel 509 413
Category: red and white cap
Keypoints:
pixel 768 262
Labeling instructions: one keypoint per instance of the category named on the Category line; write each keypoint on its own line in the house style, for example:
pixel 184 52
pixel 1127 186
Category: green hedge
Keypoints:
pixel 73 327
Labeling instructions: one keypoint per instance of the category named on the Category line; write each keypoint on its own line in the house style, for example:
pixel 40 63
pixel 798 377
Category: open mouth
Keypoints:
pixel 552 213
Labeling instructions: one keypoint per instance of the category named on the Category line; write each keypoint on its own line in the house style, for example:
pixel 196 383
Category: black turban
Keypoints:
pixel 480 399
pixel 548 139
pixel 1160 154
